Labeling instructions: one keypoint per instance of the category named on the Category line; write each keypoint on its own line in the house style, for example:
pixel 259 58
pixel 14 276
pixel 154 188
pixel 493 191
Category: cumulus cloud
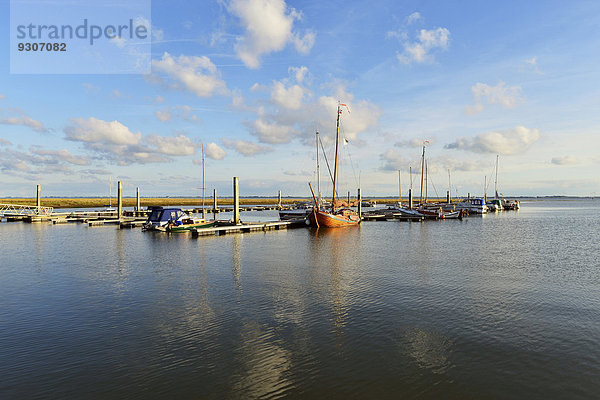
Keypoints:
pixel 115 142
pixel 196 74
pixel 55 156
pixel 246 148
pixel 163 115
pixel 513 141
pixel 565 160
pixel 212 150
pixel 15 116
pixel 38 160
pixel 179 145
pixel 427 41
pixel 506 96
pixel 414 142
pixel 393 160
pixel 290 98
pixel 97 130
pixel 294 112
pixel 268 26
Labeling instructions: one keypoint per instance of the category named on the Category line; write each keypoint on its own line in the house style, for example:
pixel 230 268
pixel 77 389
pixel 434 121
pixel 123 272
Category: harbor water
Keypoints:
pixel 503 306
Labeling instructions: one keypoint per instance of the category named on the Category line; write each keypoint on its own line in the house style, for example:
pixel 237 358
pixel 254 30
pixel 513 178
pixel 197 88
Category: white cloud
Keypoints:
pixel 15 116
pixel 115 142
pixel 4 142
pixel 295 113
pixel 513 141
pixel 419 51
pixel 245 147
pixel 565 160
pixel 414 142
pixel 179 145
pixel 214 151
pixel 289 98
pixel 97 130
pixel 163 115
pixel 196 74
pixel 305 43
pixel 393 161
pixel 60 155
pixel 506 96
pixel 299 73
pixel 270 132
pixel 268 26
pixel 414 17
pixel 534 63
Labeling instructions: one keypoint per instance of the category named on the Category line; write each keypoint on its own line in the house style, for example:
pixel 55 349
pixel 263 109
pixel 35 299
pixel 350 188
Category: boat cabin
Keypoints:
pixel 160 216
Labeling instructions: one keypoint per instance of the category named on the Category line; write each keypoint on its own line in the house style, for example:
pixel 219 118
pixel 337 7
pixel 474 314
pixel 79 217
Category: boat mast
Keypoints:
pixel 110 191
pixel 422 172
pixel 318 171
pixel 399 188
pixel 496 181
pixel 426 181
pixel 449 187
pixel 335 165
pixel 203 185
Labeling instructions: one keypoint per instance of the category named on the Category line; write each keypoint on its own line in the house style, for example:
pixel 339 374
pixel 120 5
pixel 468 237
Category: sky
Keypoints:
pixel 253 80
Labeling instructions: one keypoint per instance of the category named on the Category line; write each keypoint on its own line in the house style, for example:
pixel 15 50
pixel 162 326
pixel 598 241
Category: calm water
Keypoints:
pixel 501 306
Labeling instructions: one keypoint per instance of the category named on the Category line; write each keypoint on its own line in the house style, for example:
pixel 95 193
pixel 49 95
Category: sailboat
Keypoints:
pixel 336 217
pixel 109 207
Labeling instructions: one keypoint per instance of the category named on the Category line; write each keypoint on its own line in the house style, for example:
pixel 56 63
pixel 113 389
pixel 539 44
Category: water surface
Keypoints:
pixel 501 306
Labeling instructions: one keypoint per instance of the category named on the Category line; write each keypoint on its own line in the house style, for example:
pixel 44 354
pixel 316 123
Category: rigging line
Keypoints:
pixel 433 184
pixel 327 162
pixel 350 156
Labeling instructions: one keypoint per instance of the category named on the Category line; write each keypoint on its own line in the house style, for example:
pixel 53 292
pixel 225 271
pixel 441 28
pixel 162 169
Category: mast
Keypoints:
pixel 426 185
pixel 203 185
pixel 318 171
pixel 335 165
pixel 422 172
pixel 485 189
pixel 110 191
pixel 399 188
pixel 496 181
pixel 449 187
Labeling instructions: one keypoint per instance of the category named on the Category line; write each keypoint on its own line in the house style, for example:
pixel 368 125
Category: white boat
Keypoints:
pixel 472 206
pixel 298 211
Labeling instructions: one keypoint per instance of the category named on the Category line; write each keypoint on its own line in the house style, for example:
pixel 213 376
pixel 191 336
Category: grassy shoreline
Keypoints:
pixel 160 201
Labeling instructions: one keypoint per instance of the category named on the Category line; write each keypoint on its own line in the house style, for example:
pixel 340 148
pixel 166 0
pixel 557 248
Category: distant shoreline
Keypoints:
pixel 96 202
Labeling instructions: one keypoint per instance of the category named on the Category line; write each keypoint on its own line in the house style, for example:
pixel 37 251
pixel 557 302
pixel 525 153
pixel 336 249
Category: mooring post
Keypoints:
pixel 120 199
pixel 137 201
pixel 236 201
pixel 359 203
pixel 38 198
pixel 215 203
pixel 448 197
pixel 279 200
pixel 469 196
pixel 410 202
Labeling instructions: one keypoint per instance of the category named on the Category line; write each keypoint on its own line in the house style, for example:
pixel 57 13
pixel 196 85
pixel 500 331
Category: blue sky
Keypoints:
pixel 254 79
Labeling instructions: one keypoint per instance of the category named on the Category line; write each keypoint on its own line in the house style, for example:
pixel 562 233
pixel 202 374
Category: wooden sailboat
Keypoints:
pixel 336 217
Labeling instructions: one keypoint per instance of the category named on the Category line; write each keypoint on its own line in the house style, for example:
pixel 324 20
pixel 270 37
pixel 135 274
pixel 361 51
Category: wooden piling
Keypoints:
pixel 120 200
pixel 279 199
pixel 236 201
pixel 38 198
pixel 215 203
pixel 137 202
pixel 410 199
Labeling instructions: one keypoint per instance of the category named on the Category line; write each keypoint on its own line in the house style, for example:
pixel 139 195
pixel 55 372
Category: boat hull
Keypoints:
pixel 189 227
pixel 321 219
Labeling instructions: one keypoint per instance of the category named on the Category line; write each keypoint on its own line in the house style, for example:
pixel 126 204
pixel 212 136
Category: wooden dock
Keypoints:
pixel 250 227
